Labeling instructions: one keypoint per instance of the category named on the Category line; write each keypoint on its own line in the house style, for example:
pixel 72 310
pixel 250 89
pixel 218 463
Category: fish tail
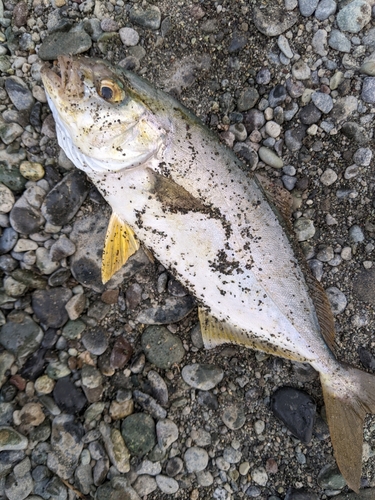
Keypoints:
pixel 349 395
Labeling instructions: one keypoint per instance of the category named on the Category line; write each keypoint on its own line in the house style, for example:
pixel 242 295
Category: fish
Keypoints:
pixel 224 234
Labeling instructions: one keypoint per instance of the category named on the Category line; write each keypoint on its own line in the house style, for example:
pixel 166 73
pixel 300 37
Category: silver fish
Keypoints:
pixel 223 234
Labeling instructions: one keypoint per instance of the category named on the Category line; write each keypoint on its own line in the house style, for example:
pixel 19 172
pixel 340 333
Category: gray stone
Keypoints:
pixel 173 309
pixel 368 90
pixel 158 387
pixel 270 158
pixel 49 306
pixel 144 485
pixel 337 300
pixel 338 41
pixel 247 99
pixel 129 37
pixel 10 439
pixel 277 96
pixel 138 431
pixel 62 248
pixel 322 101
pixel 18 488
pixel 307 7
pixel 64 200
pixel 19 93
pixel 24 217
pixel 147 16
pixel 196 459
pixel 21 336
pixel 274 20
pixel 115 446
pixel 300 70
pixel 325 9
pixel 8 239
pixel 344 107
pixel 9 132
pixel 362 157
pixel 167 433
pixel 329 478
pixel 294 137
pixel 59 43
pixel 328 177
pixel 167 484
pixel 66 445
pixel 149 405
pixel 203 377
pixel 234 417
pixel 354 16
pixel 149 468
pixel 304 229
pixel 319 42
pixel 95 341
pixel 161 347
pixel 356 234
pixel 284 46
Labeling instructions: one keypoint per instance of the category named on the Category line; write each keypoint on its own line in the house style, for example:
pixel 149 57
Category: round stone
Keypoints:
pixel 270 158
pixel 196 459
pixel 44 385
pixel 138 431
pixel 234 417
pixel 337 300
pixel 259 476
pixel 273 129
pixel 304 229
pixel 32 171
pixel 161 347
pixel 354 16
pixel 328 177
pixel 203 377
pixel 10 439
pixel 167 484
pixel 129 37
pixel 6 199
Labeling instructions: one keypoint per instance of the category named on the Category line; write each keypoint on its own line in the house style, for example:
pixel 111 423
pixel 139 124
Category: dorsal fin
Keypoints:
pixel 215 333
pixel 120 244
pixel 281 199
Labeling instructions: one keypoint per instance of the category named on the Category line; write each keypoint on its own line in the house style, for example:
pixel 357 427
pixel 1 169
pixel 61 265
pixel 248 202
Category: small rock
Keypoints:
pixel 167 433
pixel 354 16
pixel 325 9
pixel 147 16
pixel 138 431
pixel 95 341
pixel 277 96
pixel 273 22
pixel 129 37
pixel 161 347
pixel 19 93
pixel 167 484
pixel 70 43
pixel 196 459
pixel 247 99
pixel 6 199
pixel 49 306
pixel 362 157
pixel 66 445
pixel 204 377
pixel 270 158
pixel 300 70
pixel 304 229
pixel 149 404
pixel 116 448
pixel 121 353
pixel 259 476
pixel 337 300
pixel 21 336
pixel 322 101
pixel 307 7
pixel 68 397
pixel 338 41
pixel 328 177
pixel 10 439
pixel 296 410
pixel 32 171
pixel 234 417
pixel 329 478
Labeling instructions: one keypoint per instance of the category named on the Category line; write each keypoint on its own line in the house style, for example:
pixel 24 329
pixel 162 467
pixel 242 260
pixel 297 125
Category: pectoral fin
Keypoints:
pixel 120 244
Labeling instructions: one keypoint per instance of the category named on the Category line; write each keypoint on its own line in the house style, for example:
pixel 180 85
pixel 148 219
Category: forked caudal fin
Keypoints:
pixel 348 398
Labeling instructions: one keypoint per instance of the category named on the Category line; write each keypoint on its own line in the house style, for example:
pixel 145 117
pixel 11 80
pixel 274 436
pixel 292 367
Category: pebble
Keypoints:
pixel 247 99
pixel 129 37
pixel 20 335
pixel 300 70
pixel 68 397
pixel 325 9
pixel 304 229
pixel 319 42
pixel 270 158
pixel 296 409
pixel 336 299
pixel 368 90
pixel 32 171
pixel 330 478
pixel 6 199
pixel 354 16
pixel 234 417
pixel 161 347
pixel 10 439
pixel 275 22
pixel 322 101
pixel 66 445
pixel 362 157
pixel 203 377
pixel 196 459
pixel 49 306
pixel 147 16
pixel 116 448
pixel 167 433
pixel 259 476
pixel 339 41
pixel 167 484
pixel 73 42
pixel 328 177
pixel 19 93
pixel 138 431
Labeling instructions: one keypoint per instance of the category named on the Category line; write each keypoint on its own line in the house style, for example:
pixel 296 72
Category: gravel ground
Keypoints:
pixel 107 392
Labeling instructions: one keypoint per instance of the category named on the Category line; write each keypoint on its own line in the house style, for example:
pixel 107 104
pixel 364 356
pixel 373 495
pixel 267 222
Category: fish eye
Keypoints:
pixel 110 91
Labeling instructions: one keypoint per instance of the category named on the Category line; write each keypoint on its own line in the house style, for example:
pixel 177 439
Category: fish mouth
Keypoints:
pixel 65 79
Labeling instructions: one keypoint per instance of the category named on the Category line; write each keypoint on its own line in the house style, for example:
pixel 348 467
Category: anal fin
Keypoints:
pixel 120 244
pixel 215 333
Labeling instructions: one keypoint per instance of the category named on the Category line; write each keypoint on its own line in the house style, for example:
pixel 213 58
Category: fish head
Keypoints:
pixel 96 110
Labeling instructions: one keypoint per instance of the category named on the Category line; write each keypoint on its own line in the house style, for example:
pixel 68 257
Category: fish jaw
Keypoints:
pixel 117 134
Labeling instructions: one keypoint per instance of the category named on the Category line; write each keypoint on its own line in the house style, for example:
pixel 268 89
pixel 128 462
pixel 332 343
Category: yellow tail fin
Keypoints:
pixel 348 398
